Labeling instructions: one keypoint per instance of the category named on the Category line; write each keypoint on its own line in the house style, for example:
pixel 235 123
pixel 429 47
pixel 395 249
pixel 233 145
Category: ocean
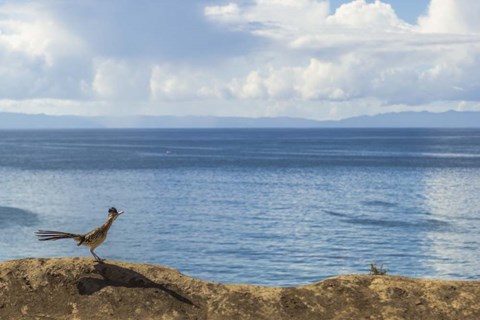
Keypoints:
pixel 275 207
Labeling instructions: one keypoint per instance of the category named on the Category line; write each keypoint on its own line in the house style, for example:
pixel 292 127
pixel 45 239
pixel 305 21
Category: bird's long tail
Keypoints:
pixel 44 235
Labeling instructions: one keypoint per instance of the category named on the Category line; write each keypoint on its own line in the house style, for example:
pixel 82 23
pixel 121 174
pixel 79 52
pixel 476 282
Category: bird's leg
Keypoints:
pixel 97 258
pixel 93 254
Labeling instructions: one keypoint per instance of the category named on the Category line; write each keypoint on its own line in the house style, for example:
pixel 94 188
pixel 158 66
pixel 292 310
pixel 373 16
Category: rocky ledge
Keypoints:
pixel 79 288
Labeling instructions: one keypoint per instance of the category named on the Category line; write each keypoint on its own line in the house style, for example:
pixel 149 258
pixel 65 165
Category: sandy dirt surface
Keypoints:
pixel 79 288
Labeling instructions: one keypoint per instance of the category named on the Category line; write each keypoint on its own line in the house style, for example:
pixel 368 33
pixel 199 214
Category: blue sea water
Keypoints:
pixel 270 207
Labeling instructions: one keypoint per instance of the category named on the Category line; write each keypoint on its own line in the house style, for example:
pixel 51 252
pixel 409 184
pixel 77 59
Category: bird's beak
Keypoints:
pixel 120 212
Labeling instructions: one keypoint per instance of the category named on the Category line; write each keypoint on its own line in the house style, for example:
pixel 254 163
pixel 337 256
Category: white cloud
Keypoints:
pixel 252 87
pixel 316 81
pixel 359 14
pixel 451 16
pixel 120 80
pixel 293 19
pixel 273 18
pixel 362 50
pixel 30 30
pixel 36 54
pixel 228 13
pixel 257 57
pixel 179 83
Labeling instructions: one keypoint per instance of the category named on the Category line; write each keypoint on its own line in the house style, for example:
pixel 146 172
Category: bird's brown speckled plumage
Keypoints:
pixel 91 239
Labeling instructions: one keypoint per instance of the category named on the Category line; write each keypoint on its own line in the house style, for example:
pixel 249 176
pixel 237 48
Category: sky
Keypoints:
pixel 300 58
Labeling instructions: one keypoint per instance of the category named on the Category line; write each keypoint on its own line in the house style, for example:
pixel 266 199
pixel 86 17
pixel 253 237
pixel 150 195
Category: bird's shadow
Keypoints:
pixel 115 276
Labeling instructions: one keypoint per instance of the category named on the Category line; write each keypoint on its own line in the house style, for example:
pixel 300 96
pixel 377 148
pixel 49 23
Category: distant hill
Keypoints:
pixel 424 119
pixel 205 122
pixel 449 119
pixel 42 121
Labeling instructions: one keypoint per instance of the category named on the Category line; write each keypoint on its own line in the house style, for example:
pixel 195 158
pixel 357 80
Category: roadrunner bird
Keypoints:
pixel 92 239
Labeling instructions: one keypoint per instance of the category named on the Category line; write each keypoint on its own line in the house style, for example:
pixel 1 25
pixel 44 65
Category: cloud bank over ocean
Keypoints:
pixel 302 58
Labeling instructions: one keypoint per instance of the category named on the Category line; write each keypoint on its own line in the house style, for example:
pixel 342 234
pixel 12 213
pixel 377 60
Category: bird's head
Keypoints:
pixel 113 213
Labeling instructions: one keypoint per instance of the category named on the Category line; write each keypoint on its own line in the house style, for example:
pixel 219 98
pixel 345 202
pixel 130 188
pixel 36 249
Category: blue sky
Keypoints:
pixel 304 58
